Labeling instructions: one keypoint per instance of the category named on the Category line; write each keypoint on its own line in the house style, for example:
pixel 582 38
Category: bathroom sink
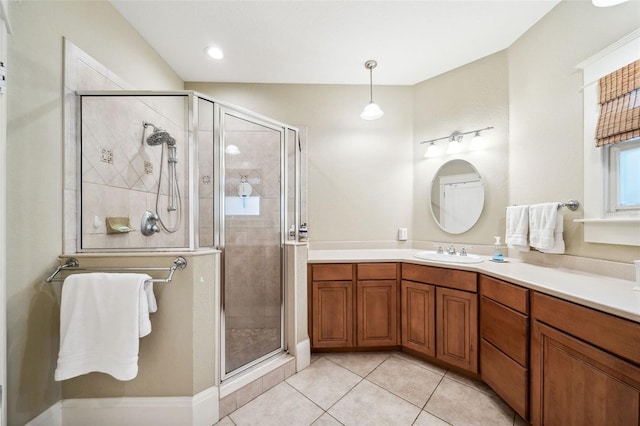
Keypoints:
pixel 451 258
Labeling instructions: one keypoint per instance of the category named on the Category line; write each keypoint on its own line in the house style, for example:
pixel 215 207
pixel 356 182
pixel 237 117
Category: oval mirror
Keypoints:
pixel 457 196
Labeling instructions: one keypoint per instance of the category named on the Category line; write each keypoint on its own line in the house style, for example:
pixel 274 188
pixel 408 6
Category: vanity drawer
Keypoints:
pixel 377 271
pixel 332 272
pixel 459 280
pixel 502 292
pixel 504 328
pixel 505 376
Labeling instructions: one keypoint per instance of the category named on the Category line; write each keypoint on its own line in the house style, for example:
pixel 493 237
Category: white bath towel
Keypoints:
pixel 517 229
pixel 148 305
pixel 102 317
pixel 542 225
pixel 558 239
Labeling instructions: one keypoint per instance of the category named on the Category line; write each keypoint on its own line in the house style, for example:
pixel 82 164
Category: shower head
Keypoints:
pixel 159 136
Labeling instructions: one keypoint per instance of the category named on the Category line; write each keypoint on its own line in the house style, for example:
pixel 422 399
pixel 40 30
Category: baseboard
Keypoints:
pixel 199 410
pixel 303 355
pixel 52 416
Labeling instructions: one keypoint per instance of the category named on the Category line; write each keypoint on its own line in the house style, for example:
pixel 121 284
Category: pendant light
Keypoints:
pixel 372 111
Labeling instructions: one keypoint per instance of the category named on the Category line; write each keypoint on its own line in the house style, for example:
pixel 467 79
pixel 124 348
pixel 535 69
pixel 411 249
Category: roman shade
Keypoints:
pixel 619 100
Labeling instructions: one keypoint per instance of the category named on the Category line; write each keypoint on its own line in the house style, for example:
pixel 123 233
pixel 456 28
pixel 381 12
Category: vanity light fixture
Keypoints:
pixel 372 111
pixel 432 151
pixel 477 142
pixel 214 52
pixel 455 140
pixel 454 143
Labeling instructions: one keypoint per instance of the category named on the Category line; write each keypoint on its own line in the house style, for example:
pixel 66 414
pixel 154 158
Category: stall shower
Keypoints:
pixel 214 176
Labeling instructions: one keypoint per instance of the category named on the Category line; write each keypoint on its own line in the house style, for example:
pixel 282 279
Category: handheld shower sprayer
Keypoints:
pixel 159 136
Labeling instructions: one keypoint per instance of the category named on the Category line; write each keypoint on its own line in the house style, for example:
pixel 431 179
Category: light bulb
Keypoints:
pixel 432 151
pixel 453 147
pixel 477 142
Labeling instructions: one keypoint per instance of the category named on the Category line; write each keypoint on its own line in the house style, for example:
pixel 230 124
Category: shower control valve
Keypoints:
pixel 148 225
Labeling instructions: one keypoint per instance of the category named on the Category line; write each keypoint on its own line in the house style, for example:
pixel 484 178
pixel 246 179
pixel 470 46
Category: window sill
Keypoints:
pixel 621 231
pixel 610 220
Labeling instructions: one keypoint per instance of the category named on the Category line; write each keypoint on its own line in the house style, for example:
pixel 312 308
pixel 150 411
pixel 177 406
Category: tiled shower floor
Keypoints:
pixel 243 345
pixel 375 389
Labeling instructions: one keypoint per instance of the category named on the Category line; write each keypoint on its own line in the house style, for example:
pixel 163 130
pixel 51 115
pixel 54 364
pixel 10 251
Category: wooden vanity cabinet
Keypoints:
pixel 504 341
pixel 353 305
pixel 455 324
pixel 457 328
pixel 585 365
pixel 377 304
pixel 418 317
pixel 331 313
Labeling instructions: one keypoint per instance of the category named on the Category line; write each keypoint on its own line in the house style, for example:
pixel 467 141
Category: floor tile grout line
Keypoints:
pixel 419 362
pixel 489 392
pixel 396 395
pixel 400 396
pixel 347 368
pixel 306 397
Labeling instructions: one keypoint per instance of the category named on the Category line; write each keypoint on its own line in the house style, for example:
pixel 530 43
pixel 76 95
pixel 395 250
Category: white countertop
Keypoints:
pixel 606 294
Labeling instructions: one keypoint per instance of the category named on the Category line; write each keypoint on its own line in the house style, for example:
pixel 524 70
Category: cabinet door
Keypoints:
pixel 418 317
pixel 574 383
pixel 332 314
pixel 376 313
pixel 457 328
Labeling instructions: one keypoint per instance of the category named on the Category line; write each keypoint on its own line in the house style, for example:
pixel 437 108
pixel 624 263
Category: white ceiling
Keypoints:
pixel 327 42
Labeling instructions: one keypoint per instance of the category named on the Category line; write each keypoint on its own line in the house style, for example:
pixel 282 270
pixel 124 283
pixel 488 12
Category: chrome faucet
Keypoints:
pixel 463 252
pixel 439 249
pixel 451 250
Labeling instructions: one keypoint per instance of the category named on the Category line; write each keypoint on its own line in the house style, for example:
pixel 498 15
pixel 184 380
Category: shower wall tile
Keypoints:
pixel 114 156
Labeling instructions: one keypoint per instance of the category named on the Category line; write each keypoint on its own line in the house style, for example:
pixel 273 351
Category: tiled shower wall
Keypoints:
pixel 119 173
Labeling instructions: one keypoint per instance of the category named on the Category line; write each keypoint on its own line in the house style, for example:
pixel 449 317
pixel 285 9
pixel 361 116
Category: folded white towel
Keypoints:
pixel 147 305
pixel 558 241
pixel 542 225
pixel 517 228
pixel 102 317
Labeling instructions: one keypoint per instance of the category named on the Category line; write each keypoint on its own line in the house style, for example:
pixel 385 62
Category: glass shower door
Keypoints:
pixel 251 237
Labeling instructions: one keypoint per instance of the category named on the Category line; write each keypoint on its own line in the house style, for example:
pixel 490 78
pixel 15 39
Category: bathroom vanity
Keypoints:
pixel 558 346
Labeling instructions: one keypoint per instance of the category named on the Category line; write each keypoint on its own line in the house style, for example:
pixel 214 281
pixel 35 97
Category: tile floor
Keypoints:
pixel 367 388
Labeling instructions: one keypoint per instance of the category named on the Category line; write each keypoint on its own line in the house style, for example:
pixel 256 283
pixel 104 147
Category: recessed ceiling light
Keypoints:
pixel 215 52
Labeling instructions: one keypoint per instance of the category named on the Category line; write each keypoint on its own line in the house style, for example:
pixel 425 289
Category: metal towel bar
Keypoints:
pixel 571 205
pixel 72 264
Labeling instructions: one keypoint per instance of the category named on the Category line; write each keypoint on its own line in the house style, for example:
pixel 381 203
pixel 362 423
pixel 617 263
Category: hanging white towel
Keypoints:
pixel 542 225
pixel 517 229
pixel 102 317
pixel 558 240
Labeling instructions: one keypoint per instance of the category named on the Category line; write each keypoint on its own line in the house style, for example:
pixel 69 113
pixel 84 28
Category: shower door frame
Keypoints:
pixel 220 111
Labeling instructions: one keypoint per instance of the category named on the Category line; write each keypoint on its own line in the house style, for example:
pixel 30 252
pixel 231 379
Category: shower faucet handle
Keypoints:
pixel 148 225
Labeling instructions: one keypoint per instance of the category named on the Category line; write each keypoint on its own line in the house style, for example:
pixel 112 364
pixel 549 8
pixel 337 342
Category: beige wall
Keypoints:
pixel 471 97
pixel 177 358
pixel 34 172
pixel 360 172
pixel 545 108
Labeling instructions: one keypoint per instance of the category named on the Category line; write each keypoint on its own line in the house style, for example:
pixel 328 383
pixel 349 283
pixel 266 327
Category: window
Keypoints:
pixel 623 186
pixel 611 169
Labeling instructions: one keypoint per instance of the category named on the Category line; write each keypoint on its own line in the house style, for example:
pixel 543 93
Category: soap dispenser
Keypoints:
pixel 497 251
